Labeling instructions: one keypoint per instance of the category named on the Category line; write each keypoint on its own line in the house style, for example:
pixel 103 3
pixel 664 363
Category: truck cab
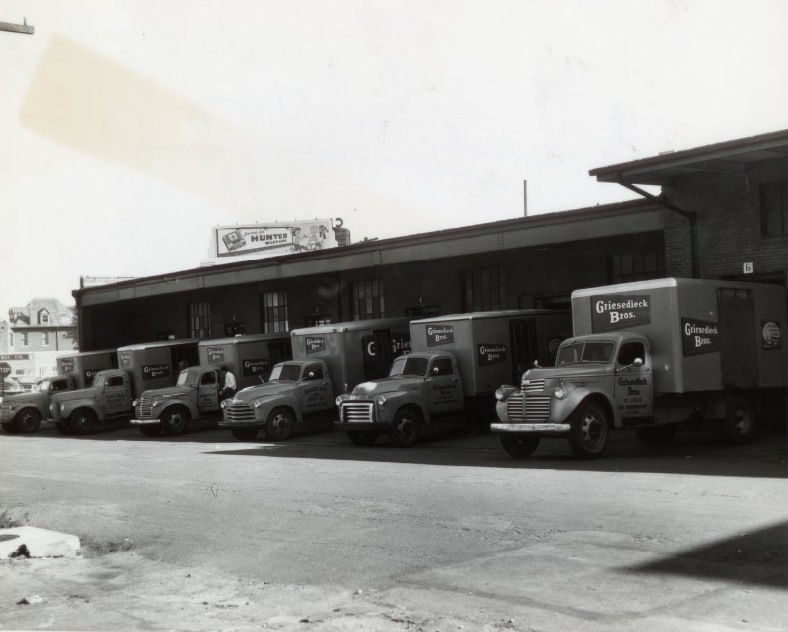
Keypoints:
pixel 23 412
pixel 421 389
pixel 171 410
pixel 298 393
pixel 599 381
pixel 78 411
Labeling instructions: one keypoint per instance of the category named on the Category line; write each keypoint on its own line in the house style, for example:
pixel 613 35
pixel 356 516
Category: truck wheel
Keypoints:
pixel 245 434
pixel 280 424
pixel 405 429
pixel 589 432
pixel 739 423
pixel 657 435
pixel 82 421
pixel 29 420
pixel 519 444
pixel 151 430
pixel 362 439
pixel 175 422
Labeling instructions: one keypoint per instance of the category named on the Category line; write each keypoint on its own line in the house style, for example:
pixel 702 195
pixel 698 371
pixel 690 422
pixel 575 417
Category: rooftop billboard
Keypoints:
pixel 274 239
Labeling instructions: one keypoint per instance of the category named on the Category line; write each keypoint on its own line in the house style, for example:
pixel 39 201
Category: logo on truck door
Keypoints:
pixel 610 312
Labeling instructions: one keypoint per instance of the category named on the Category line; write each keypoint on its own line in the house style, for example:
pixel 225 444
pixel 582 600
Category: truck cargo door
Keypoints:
pixel 738 344
pixel 522 333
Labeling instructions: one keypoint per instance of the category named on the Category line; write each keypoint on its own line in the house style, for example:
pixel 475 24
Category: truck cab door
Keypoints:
pixel 634 385
pixel 444 387
pixel 208 392
pixel 314 390
pixel 117 395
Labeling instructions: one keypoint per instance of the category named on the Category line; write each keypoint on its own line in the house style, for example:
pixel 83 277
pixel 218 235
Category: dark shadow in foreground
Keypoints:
pixel 760 557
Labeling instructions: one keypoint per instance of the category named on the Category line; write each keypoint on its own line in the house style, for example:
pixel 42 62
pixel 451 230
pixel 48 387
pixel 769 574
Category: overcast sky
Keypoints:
pixel 131 128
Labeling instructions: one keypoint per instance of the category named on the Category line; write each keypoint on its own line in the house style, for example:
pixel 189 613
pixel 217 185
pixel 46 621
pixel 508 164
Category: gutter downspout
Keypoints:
pixel 690 216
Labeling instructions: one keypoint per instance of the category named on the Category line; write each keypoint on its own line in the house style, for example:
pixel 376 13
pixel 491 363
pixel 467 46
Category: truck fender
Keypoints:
pixel 193 412
pixel 275 401
pixel 564 409
pixel 70 405
pixel 404 399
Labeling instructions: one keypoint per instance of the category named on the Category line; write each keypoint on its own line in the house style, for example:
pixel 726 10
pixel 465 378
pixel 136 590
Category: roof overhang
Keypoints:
pixel 731 157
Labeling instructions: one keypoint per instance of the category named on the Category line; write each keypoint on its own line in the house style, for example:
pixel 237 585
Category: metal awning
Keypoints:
pixel 731 157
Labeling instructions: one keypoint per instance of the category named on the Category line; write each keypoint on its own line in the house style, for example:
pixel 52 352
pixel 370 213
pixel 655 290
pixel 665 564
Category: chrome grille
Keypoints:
pixel 357 411
pixel 537 408
pixel 514 407
pixel 533 386
pixel 239 412
pixel 144 409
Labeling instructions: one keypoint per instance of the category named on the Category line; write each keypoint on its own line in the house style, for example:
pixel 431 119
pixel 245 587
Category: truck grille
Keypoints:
pixel 533 386
pixel 240 412
pixel 514 407
pixel 537 408
pixel 144 409
pixel 357 411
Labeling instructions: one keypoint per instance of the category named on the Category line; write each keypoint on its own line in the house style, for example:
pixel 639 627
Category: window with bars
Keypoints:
pixel 200 320
pixel 773 197
pixel 274 312
pixel 367 300
pixel 483 290
pixel 636 267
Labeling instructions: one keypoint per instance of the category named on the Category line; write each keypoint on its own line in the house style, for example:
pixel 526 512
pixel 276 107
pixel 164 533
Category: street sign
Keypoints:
pixel 5 369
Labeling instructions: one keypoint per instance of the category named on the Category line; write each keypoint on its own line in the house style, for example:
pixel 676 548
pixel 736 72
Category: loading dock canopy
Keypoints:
pixel 732 157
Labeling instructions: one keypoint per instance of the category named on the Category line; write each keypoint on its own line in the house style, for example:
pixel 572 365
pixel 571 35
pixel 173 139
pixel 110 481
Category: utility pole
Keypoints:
pixel 17 28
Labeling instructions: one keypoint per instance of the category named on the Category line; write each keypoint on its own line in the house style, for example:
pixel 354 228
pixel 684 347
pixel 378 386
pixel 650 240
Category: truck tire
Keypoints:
pixel 589 432
pixel 175 421
pixel 405 429
pixel 82 421
pixel 362 439
pixel 739 424
pixel 280 424
pixel 657 435
pixel 28 420
pixel 519 444
pixel 245 434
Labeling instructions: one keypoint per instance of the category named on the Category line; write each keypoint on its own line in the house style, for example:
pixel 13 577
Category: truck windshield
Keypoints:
pixel 288 372
pixel 99 381
pixel 188 378
pixel 43 386
pixel 408 365
pixel 584 352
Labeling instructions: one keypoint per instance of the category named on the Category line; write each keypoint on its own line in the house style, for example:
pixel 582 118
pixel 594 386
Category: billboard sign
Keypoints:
pixel 267 240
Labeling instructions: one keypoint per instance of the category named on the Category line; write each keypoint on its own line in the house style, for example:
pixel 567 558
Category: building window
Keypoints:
pixel 24 340
pixel 367 300
pixel 200 320
pixel 43 317
pixel 274 311
pixel 483 290
pixel 636 267
pixel 774 208
pixel 45 338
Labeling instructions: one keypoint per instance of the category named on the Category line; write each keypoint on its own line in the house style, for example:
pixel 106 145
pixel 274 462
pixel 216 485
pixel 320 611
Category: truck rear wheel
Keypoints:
pixel 280 424
pixel 175 421
pixel 29 420
pixel 519 444
pixel 405 430
pixel 82 421
pixel 589 432
pixel 362 439
pixel 739 423
pixel 245 434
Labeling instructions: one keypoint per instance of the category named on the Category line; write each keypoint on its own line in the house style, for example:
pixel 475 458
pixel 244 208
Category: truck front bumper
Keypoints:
pixel 226 423
pixel 546 428
pixel 361 426
pixel 144 422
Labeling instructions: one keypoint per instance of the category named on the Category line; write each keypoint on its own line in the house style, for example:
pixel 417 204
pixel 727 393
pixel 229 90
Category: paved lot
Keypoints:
pixel 453 534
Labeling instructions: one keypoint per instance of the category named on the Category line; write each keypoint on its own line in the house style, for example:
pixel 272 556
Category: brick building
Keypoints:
pixel 722 213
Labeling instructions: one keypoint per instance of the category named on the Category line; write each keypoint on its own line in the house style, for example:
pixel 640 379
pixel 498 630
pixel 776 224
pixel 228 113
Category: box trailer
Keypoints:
pixel 249 358
pixel 84 365
pixel 651 354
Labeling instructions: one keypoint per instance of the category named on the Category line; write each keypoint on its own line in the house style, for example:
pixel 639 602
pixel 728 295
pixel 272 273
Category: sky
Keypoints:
pixel 131 128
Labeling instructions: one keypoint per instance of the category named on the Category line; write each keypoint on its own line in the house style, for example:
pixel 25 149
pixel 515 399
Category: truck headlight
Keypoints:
pixel 223 404
pixel 499 394
pixel 135 403
pixel 257 403
pixel 381 400
pixel 338 401
pixel 559 392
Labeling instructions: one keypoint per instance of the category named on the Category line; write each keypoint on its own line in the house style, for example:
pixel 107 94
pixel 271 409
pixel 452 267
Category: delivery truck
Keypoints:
pixel 455 366
pixel 140 366
pixel 25 411
pixel 197 395
pixel 327 360
pixel 650 355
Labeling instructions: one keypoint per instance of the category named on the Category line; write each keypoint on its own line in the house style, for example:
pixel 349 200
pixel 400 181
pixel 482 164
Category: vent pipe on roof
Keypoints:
pixel 525 198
